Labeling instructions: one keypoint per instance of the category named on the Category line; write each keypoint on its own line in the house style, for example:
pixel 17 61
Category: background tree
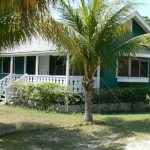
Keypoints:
pixel 94 33
pixel 147 19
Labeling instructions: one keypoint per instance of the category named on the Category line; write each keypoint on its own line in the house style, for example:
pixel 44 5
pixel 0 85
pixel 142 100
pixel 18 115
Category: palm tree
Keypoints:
pixel 94 33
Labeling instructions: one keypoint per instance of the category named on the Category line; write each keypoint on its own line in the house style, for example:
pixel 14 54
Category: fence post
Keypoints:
pixel 66 104
pixel 6 95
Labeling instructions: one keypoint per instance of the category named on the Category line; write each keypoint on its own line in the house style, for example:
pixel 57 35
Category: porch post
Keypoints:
pixel 98 77
pixel 37 65
pixel 25 64
pixel 67 69
pixel 11 65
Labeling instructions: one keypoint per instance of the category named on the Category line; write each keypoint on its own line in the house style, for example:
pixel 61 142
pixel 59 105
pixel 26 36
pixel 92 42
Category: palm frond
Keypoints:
pixel 128 48
pixel 18 20
pixel 133 46
pixel 96 7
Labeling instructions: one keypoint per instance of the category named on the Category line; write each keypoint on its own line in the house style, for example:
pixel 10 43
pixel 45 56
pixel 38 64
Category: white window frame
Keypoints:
pixel 129 78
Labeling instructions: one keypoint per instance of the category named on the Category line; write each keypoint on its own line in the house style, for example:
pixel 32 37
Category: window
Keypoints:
pixel 60 66
pixel 18 65
pixel 143 69
pixel 6 65
pixel 30 65
pixel 133 67
pixel 57 65
pixel 139 68
pixel 123 66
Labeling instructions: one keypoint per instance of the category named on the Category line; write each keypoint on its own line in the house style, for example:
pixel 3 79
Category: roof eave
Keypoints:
pixel 135 15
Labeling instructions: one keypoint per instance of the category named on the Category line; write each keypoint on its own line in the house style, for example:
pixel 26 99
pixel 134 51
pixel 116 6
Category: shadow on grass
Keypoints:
pixel 104 135
pixel 126 128
pixel 36 136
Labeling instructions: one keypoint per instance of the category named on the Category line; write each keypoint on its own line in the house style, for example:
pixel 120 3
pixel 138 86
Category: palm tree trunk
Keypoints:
pixel 88 87
pixel 88 106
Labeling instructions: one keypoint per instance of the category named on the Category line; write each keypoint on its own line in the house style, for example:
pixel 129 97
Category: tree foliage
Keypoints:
pixel 18 19
pixel 147 19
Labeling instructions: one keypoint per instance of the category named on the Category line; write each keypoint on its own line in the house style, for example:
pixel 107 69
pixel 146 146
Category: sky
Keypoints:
pixel 144 8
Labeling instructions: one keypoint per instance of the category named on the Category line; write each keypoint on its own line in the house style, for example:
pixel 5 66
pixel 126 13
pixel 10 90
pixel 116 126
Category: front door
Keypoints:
pixel 44 65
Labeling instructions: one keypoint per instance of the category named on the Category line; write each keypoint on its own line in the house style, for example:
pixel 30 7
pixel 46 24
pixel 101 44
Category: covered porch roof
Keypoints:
pixel 33 47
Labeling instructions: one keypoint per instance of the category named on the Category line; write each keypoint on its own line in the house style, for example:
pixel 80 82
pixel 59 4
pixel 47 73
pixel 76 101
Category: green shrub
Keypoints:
pixel 128 95
pixel 42 94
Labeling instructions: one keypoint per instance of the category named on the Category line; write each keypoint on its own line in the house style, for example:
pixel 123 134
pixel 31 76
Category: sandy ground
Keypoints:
pixel 138 145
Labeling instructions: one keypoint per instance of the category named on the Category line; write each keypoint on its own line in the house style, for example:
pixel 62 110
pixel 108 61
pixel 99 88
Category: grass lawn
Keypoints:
pixel 35 130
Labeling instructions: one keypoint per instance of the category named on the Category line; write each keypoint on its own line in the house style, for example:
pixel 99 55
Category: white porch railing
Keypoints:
pixel 46 78
pixel 7 80
pixel 8 90
pixel 74 83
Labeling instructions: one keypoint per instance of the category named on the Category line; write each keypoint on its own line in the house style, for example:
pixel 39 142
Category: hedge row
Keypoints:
pixel 45 94
pixel 127 95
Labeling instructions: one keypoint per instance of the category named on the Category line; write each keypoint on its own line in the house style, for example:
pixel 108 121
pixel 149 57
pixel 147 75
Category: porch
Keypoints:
pixel 40 69
pixel 34 65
